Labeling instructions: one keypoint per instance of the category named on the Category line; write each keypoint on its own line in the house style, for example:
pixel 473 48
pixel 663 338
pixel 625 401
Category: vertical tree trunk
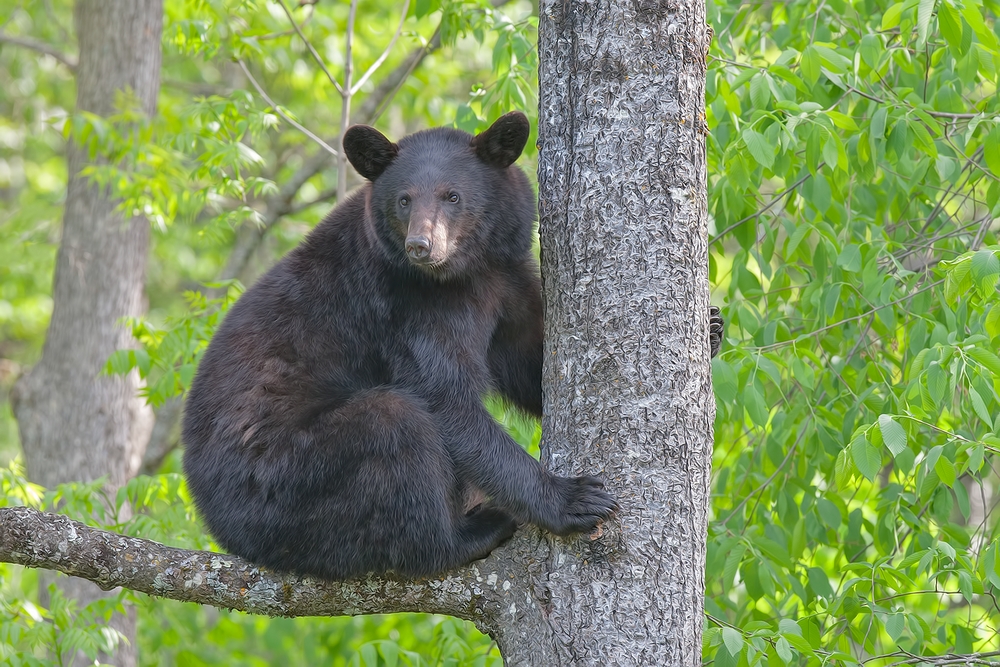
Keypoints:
pixel 75 424
pixel 622 189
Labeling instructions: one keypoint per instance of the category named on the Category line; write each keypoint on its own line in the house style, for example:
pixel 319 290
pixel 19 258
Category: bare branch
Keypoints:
pixel 309 46
pixel 249 236
pixel 40 47
pixel 774 200
pixel 345 104
pixel 321 198
pixel 385 54
pixel 55 542
pixel 288 119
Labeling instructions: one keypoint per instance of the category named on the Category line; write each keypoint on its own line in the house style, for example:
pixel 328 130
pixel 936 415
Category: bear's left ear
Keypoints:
pixel 368 150
pixel 503 142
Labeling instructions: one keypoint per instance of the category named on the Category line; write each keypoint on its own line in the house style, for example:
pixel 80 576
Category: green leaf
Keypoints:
pixel 732 564
pixel 390 652
pixel 850 258
pixel 950 24
pixel 829 513
pixel 894 625
pixel 991 150
pixel 760 91
pixel 965 585
pixel 754 403
pixel 871 50
pixel 866 457
pixel 723 658
pixel 369 655
pixel 945 470
pixel 733 640
pixel 819 581
pixel 759 148
pixel 979 405
pixel 977 456
pixel 992 324
pixel 799 235
pixel 922 138
pixel 843 469
pixel 890 19
pixel 987 358
pixel 878 125
pixel 800 643
pixel 893 434
pixel 809 63
pixel 783 649
pixel 724 381
pixel 788 626
pixel 972 12
pixel 984 271
pixel 925 9
pixel 843 121
pixel 957 279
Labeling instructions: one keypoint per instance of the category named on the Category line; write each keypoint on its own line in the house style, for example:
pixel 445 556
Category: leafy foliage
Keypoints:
pixel 221 163
pixel 854 161
pixel 854 189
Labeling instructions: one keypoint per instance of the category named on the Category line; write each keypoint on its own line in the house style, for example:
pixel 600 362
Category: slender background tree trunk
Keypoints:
pixel 622 188
pixel 76 424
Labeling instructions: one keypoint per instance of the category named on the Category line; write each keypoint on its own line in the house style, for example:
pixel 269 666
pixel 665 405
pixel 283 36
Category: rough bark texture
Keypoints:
pixel 492 593
pixel 76 424
pixel 623 228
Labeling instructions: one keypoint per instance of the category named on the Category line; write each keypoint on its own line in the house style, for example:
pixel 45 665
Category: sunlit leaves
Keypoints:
pixel 854 198
pixel 169 355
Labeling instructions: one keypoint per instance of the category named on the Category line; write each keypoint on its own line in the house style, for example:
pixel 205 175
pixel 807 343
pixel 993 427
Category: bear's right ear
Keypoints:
pixel 368 150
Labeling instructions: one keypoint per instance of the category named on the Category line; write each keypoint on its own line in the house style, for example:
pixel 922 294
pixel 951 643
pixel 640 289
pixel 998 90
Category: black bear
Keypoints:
pixel 335 426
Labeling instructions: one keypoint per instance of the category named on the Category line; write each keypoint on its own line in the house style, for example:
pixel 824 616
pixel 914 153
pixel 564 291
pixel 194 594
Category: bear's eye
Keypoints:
pixel 453 197
pixel 404 201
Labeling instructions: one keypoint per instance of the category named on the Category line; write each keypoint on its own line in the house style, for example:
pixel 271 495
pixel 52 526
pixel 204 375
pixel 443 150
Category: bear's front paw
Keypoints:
pixel 585 503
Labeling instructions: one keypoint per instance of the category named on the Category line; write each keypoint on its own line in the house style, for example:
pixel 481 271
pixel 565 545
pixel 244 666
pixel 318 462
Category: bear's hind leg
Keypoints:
pixel 392 502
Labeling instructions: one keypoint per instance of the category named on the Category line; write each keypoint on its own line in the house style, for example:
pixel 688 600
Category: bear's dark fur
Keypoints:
pixel 336 425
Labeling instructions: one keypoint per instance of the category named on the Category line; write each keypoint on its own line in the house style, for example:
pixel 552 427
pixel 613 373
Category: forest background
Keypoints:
pixel 854 181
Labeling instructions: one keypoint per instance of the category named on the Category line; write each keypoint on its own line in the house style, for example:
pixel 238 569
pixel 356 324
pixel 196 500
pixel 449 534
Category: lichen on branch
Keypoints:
pixel 50 541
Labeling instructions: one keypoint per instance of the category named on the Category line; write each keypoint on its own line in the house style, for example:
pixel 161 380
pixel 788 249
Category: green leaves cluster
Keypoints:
pixel 854 187
pixel 168 356
pixel 854 162
pixel 218 166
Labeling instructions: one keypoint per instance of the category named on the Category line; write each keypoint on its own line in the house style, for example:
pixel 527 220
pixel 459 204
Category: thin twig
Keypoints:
pixel 345 96
pixel 40 47
pixel 54 20
pixel 309 46
pixel 933 114
pixel 774 200
pixel 385 53
pixel 848 320
pixel 288 119
pixel 321 198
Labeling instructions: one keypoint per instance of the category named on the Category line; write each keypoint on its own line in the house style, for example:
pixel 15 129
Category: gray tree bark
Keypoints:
pixel 623 226
pixel 75 423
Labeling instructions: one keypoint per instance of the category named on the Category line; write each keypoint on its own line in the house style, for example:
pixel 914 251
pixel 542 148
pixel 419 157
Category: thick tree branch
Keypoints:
pixel 40 47
pixel 480 592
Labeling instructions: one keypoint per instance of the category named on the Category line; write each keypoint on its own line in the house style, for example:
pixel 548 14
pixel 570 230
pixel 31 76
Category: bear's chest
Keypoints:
pixel 439 341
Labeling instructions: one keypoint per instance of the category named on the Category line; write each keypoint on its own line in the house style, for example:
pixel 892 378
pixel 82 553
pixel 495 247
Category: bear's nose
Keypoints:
pixel 418 248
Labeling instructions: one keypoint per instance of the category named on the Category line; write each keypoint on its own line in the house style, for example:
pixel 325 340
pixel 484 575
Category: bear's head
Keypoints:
pixel 445 202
